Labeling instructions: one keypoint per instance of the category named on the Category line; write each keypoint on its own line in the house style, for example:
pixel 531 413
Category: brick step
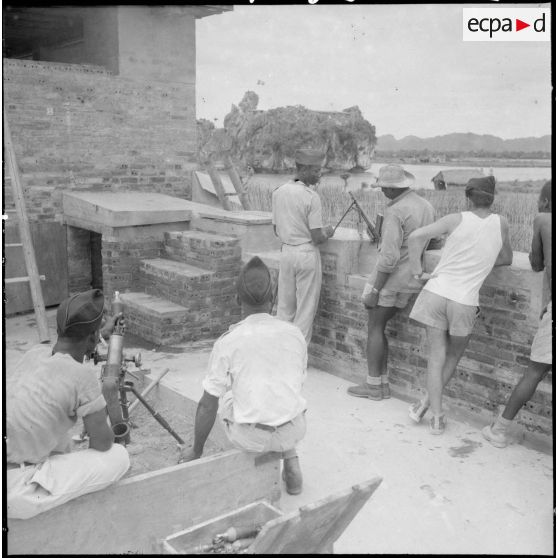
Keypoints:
pixel 205 250
pixel 182 283
pixel 155 319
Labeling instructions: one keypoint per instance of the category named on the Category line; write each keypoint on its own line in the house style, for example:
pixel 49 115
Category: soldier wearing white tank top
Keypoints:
pixel 477 240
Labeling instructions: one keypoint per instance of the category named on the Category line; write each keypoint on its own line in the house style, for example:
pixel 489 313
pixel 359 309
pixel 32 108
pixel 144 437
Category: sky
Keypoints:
pixel 405 66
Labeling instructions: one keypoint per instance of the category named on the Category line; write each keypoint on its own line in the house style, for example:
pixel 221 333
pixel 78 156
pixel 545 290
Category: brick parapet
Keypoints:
pixel 497 355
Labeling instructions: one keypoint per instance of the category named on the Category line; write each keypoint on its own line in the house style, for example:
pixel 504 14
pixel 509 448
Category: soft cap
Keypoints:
pixel 80 314
pixel 254 285
pixel 485 184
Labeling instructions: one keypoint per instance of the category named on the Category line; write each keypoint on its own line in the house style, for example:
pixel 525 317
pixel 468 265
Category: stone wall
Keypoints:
pixel 497 355
pixel 80 127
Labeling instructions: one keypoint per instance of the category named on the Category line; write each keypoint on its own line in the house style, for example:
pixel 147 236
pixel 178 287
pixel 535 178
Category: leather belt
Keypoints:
pixel 269 428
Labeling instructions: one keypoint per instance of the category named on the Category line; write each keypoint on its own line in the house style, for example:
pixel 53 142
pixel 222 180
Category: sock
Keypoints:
pixel 374 380
pixel 501 425
pixel 384 378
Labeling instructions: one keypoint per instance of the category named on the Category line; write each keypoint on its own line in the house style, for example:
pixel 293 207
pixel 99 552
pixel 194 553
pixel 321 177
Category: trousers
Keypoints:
pixel 300 281
pixel 33 489
pixel 251 439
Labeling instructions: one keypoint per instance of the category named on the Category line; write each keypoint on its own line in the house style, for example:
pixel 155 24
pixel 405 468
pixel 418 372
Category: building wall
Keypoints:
pixel 79 127
pixel 157 44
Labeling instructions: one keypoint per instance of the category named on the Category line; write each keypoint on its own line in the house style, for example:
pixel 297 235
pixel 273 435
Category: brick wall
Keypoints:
pixel 121 261
pixel 80 127
pixel 497 355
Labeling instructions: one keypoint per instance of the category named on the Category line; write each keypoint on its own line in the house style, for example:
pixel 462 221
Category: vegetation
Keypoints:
pixel 519 208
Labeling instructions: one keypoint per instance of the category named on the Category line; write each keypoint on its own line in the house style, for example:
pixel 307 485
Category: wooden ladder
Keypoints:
pixel 33 276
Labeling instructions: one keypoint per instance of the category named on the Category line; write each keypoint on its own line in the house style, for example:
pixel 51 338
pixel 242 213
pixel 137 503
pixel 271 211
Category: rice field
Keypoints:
pixel 519 208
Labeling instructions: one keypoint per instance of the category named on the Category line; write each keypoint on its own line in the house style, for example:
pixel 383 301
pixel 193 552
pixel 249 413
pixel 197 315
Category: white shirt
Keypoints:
pixel 467 258
pixel 264 360
pixel 295 210
pixel 44 397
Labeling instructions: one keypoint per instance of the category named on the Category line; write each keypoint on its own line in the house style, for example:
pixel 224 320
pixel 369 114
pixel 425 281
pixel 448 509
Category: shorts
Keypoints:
pixel 390 299
pixel 440 312
pixel 541 348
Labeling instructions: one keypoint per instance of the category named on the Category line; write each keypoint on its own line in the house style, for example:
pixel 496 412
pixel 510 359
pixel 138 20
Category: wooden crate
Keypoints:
pixel 311 529
pixel 190 540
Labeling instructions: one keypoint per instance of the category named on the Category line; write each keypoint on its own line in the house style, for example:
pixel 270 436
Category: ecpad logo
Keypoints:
pixel 506 24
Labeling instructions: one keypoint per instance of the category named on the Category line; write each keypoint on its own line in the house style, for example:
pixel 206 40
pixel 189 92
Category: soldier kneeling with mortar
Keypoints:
pixel 254 377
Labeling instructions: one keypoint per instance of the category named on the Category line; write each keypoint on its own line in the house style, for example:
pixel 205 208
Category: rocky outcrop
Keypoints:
pixel 267 140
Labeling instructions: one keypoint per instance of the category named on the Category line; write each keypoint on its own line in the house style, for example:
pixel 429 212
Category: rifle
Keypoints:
pixel 373 231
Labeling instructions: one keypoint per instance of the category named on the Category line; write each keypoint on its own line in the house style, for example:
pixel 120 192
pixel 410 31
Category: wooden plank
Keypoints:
pixel 49 240
pixel 235 179
pixel 21 279
pixel 136 514
pixel 218 185
pixel 314 528
pixel 28 251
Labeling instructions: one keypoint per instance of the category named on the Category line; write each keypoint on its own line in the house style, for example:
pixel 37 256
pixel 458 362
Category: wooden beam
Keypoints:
pixel 135 515
pixel 25 234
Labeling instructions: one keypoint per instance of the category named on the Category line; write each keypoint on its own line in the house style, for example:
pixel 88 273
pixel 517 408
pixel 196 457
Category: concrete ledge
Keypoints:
pixel 124 209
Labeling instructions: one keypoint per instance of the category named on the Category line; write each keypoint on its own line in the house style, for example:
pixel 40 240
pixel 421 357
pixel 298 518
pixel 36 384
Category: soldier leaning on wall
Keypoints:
pixel 540 361
pixel 477 240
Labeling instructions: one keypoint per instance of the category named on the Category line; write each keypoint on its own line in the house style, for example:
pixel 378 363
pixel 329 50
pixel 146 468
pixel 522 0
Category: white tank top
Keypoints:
pixel 467 258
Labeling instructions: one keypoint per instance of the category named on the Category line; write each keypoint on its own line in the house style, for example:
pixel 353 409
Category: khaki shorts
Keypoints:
pixel 437 311
pixel 541 348
pixel 390 299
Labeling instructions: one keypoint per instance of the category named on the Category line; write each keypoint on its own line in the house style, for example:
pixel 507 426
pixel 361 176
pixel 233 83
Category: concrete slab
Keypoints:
pixel 445 494
pixel 125 209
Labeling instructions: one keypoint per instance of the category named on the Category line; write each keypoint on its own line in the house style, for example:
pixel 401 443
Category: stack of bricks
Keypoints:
pixel 496 357
pixel 191 289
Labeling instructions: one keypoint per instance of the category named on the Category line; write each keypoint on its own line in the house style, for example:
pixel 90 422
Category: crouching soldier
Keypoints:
pixel 254 377
pixel 45 395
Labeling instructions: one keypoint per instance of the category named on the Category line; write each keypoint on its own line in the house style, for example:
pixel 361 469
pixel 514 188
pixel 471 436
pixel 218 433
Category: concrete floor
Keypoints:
pixel 450 494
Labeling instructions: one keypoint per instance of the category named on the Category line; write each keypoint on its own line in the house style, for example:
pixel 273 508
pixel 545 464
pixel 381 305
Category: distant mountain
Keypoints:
pixel 464 143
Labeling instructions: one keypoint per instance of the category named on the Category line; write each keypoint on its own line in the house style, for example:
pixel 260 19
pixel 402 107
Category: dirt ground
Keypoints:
pixel 151 447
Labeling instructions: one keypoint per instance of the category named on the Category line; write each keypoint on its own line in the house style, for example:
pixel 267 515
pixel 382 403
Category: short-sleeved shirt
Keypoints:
pixel 296 209
pixel 263 360
pixel 403 215
pixel 44 397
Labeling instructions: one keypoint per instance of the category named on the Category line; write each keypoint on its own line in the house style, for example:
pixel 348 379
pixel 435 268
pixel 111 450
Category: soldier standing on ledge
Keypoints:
pixel 297 221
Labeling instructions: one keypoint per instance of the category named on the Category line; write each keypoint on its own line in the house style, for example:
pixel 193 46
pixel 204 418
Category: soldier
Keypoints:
pixel 477 240
pixel 390 285
pixel 50 389
pixel 297 221
pixel 540 362
pixel 257 369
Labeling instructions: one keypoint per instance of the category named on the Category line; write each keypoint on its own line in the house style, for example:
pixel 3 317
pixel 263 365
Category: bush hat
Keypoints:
pixel 309 157
pixel 80 314
pixel 394 176
pixel 254 284
pixel 484 184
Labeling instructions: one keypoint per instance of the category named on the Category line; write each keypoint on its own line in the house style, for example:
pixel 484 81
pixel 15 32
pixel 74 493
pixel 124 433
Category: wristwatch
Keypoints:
pixel 375 290
pixel 417 276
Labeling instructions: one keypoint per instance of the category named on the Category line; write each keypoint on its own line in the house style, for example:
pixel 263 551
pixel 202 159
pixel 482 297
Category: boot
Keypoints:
pixel 292 475
pixel 497 433
pixel 366 390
